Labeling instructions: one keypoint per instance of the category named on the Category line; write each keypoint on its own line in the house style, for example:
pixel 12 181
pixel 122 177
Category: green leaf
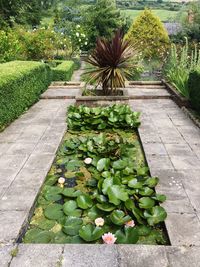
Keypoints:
pixel 94 213
pixel 146 191
pixel 90 233
pixel 54 211
pixel 143 230
pixel 118 217
pixel 70 208
pixel 133 183
pixel 151 182
pixel 84 201
pixel 128 236
pixel 146 203
pixel 107 183
pixel 103 164
pixel 105 206
pixel 156 215
pixel 119 164
pixel 72 225
pixel 116 194
pixel 38 236
pixel 159 197
pixel 71 192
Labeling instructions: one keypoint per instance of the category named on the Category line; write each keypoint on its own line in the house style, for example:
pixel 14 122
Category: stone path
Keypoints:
pixel 172 146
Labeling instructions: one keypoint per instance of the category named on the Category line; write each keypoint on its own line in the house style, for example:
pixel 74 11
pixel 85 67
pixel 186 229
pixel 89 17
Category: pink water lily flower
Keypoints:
pixel 99 221
pixel 109 238
pixel 130 224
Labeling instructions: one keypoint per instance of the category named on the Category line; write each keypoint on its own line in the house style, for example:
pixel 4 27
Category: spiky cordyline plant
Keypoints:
pixel 112 62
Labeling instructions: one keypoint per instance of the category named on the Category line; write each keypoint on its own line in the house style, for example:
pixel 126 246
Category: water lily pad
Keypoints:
pixel 71 192
pixel 128 236
pixel 54 211
pixel 156 215
pixel 70 209
pixel 146 203
pixel 105 206
pixel 72 225
pixel 116 194
pixel 118 217
pixel 90 233
pixel 103 164
pixel 84 201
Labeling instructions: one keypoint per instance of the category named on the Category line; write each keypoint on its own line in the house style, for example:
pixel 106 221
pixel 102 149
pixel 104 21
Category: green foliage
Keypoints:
pixel 10 47
pixel 102 188
pixel 180 63
pixel 116 116
pixel 112 63
pixel 21 84
pixel 64 71
pixel 194 89
pixel 102 20
pixel 36 44
pixel 149 35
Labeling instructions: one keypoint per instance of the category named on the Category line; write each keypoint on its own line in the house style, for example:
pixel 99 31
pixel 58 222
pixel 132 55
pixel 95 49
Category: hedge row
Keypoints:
pixel 194 89
pixel 64 71
pixel 21 83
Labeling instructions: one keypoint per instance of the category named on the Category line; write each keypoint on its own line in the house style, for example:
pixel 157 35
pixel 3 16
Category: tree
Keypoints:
pixel 149 35
pixel 102 20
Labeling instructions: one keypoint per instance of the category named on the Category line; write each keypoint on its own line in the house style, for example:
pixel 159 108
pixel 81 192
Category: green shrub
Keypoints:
pixel 21 84
pixel 194 89
pixel 149 34
pixel 64 71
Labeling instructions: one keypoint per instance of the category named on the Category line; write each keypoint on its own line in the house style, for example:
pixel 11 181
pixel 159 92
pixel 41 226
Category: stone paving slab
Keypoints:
pixel 142 92
pixel 31 142
pixel 39 255
pixel 60 93
pixel 5 254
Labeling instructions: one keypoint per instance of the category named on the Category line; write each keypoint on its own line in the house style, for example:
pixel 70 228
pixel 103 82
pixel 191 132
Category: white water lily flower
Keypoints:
pixel 88 161
pixel 99 221
pixel 61 180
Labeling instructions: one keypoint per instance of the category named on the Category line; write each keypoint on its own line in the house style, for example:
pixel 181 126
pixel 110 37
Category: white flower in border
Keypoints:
pixel 99 221
pixel 88 161
pixel 77 34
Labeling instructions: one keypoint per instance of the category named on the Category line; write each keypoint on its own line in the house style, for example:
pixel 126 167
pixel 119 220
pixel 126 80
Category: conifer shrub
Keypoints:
pixel 149 34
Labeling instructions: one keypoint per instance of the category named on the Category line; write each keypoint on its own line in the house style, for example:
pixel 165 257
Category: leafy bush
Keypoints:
pixel 10 47
pixel 149 34
pixel 98 118
pixel 112 63
pixel 180 63
pixel 194 89
pixel 64 71
pixel 21 84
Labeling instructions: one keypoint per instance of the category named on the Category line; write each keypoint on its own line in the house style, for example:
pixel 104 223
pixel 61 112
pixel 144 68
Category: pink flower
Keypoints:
pixel 99 221
pixel 109 238
pixel 130 224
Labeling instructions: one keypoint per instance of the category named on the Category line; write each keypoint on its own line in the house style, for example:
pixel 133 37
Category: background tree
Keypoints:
pixel 149 34
pixel 102 20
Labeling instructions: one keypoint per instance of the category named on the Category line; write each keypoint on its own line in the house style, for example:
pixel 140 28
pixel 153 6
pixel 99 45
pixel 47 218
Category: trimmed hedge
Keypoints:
pixel 194 89
pixel 21 83
pixel 64 71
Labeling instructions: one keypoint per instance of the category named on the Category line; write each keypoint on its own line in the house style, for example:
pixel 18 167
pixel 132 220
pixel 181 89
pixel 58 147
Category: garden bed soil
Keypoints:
pixel 67 85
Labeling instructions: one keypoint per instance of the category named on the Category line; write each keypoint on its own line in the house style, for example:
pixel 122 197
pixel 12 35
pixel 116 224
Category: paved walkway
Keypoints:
pixel 172 147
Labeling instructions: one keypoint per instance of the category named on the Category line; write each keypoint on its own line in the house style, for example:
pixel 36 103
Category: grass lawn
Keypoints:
pixel 164 15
